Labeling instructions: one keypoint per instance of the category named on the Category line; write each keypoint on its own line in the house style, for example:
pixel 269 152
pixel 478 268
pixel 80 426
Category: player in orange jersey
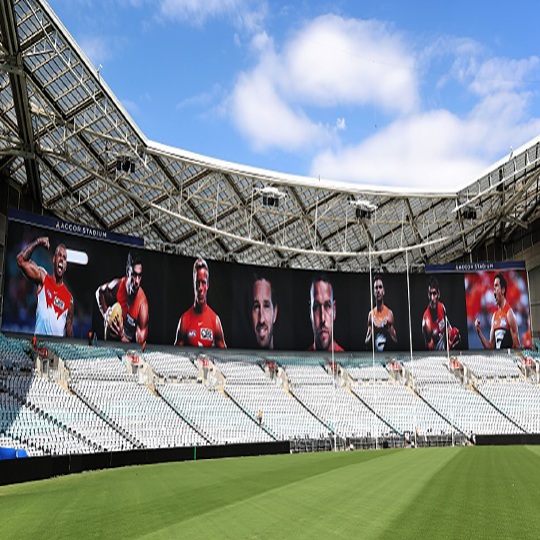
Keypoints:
pixel 133 327
pixel 380 320
pixel 200 326
pixel 504 330
pixel 55 307
pixel 435 323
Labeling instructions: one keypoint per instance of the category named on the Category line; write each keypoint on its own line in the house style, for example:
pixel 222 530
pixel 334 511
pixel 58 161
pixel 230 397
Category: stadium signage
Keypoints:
pixel 64 279
pixel 474 267
pixel 86 231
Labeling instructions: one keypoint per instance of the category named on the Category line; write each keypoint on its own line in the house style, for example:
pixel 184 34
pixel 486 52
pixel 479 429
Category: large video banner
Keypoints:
pixel 68 280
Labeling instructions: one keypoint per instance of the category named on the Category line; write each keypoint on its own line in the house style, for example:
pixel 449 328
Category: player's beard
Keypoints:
pixel 324 339
pixel 265 339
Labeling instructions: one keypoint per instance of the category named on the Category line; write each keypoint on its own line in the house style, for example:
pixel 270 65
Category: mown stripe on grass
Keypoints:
pixel 354 501
pixel 132 502
pixel 483 492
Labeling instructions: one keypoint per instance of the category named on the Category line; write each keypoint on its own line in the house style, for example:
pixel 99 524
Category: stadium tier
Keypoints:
pixel 59 399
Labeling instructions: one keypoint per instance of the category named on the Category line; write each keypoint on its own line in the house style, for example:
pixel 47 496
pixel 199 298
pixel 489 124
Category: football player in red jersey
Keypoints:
pixel 55 306
pixel 200 326
pixel 127 291
pixel 323 314
pixel 504 330
pixel 435 322
pixel 380 319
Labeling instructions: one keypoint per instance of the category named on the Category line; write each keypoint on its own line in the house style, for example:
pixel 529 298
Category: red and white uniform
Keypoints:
pixel 130 312
pixel 53 303
pixel 438 327
pixel 503 337
pixel 200 329
pixel 380 320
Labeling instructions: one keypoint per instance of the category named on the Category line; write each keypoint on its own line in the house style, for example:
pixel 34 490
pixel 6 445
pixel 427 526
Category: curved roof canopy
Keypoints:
pixel 69 142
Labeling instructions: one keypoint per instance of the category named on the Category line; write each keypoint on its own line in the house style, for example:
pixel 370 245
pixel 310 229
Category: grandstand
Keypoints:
pixel 81 399
pixel 100 403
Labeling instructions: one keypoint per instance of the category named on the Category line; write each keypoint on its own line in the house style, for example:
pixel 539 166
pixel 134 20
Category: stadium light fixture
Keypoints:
pixel 469 212
pixel 125 164
pixel 271 196
pixel 363 208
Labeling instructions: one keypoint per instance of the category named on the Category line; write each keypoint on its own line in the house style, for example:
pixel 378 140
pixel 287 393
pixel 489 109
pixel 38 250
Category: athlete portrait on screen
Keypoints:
pixel 55 306
pixel 504 330
pixel 380 319
pixel 132 324
pixel 264 310
pixel 323 314
pixel 200 326
pixel 435 322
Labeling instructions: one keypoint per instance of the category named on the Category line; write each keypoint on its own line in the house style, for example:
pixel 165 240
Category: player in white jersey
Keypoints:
pixel 55 307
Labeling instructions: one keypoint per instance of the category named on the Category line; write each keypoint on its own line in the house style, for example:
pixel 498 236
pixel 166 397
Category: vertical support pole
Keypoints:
pixel 410 335
pixel 334 376
pixel 372 339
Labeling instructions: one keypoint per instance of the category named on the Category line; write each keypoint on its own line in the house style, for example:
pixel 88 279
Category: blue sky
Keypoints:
pixel 415 94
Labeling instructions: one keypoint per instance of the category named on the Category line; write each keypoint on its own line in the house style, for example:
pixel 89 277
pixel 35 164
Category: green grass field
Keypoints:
pixel 475 492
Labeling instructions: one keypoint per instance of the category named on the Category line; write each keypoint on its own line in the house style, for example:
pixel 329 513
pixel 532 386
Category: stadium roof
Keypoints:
pixel 63 133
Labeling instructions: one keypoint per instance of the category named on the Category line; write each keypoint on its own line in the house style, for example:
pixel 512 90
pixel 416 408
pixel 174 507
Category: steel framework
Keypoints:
pixel 62 132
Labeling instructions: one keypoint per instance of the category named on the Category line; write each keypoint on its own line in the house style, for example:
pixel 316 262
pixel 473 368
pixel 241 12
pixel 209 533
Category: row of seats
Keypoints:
pixel 146 418
pixel 520 402
pixel 13 354
pixel 307 375
pixel 36 432
pixel 283 415
pixel 467 410
pixel 69 411
pixel 402 409
pixel 430 370
pixel 238 372
pixel 491 366
pixel 366 373
pixel 171 365
pixel 341 410
pixel 109 410
pixel 98 368
pixel 214 414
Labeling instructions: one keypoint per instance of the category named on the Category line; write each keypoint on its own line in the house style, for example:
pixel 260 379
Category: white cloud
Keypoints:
pixel 501 74
pixel 360 66
pixel 422 150
pixel 268 121
pixel 435 150
pixel 131 106
pixel 246 14
pixel 97 48
pixel 336 61
pixel 204 99
pixel 330 61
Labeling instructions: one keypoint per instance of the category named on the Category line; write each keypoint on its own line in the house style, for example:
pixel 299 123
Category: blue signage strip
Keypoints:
pixel 73 228
pixel 474 267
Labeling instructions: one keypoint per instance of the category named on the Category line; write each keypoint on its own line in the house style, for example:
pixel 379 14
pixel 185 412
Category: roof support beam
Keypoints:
pixel 307 216
pixel 99 159
pixel 17 79
pixel 94 215
pixel 202 174
pixel 414 228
